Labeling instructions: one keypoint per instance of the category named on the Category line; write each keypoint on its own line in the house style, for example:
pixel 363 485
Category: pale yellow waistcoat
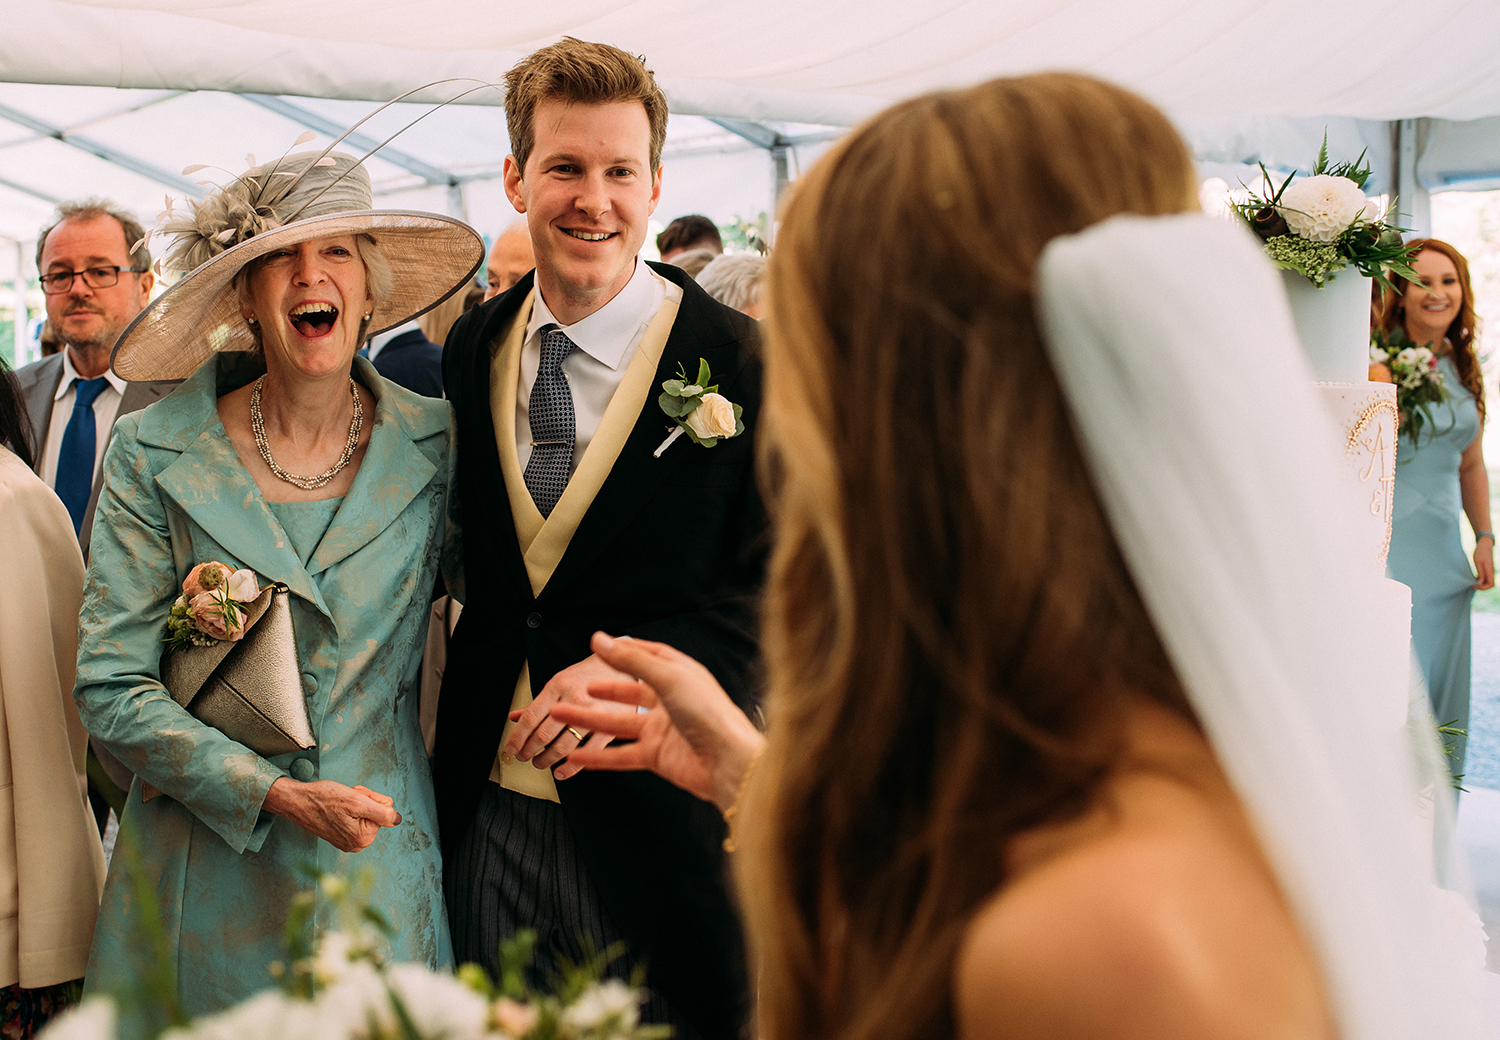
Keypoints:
pixel 544 540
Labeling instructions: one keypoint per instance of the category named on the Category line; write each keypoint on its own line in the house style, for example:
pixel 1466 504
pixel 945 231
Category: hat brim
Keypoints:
pixel 431 256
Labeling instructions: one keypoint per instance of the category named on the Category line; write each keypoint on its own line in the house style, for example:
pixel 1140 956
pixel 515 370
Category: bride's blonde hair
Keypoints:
pixel 951 630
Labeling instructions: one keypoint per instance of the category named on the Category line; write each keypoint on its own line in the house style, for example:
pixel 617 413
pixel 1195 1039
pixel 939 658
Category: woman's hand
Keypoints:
pixel 1484 564
pixel 692 734
pixel 1474 489
pixel 348 818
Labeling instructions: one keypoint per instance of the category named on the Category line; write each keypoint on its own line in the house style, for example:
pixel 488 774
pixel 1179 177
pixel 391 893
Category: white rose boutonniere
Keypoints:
pixel 699 410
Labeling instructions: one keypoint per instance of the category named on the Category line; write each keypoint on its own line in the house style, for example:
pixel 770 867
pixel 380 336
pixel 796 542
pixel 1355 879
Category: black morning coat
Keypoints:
pixel 671 549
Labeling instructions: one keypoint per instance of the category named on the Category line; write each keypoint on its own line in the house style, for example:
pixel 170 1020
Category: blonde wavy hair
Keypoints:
pixel 951 633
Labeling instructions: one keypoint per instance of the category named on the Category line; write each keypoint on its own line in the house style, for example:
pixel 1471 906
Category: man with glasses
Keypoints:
pixel 94 285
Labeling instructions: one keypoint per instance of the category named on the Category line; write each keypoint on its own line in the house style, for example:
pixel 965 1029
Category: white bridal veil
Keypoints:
pixel 1218 469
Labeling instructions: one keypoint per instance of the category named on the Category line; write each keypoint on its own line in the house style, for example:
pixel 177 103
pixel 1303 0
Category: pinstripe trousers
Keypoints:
pixel 518 868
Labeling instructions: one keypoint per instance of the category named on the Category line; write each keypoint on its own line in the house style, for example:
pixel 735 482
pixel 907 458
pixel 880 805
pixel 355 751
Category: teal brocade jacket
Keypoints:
pixel 223 872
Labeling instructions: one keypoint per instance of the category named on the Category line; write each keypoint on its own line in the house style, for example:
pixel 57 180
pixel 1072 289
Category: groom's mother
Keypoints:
pixel 286 454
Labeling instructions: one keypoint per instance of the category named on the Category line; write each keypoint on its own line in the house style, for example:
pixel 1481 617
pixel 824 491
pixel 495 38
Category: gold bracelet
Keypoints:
pixel 733 811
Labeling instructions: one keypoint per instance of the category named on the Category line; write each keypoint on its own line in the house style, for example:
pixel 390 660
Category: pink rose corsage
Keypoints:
pixel 211 607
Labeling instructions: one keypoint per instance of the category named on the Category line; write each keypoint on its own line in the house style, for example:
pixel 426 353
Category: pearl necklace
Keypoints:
pixel 258 424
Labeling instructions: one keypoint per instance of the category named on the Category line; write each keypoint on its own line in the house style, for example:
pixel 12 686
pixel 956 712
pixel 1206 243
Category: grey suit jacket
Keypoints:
pixel 39 382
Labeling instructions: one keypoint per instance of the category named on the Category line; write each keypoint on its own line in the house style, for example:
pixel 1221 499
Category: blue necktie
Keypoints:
pixel 75 460
pixel 550 411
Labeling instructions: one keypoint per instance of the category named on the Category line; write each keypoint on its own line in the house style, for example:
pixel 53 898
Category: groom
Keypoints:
pixel 573 523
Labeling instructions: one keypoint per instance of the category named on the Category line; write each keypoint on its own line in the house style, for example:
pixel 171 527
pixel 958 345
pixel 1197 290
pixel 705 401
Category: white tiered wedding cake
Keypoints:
pixel 1333 324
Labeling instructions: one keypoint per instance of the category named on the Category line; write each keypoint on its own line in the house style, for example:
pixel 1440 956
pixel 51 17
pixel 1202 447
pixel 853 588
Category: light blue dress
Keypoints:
pixel 1427 552
pixel 361 571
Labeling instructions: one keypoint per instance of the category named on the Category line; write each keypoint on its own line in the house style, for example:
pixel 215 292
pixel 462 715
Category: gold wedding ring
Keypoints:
pixel 581 736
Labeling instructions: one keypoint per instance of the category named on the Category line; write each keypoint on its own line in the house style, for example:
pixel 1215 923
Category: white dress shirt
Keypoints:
pixel 106 406
pixel 607 340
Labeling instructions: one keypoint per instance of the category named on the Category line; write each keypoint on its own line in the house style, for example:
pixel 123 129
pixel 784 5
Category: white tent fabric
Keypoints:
pixel 114 97
pixel 60 142
pixel 827 61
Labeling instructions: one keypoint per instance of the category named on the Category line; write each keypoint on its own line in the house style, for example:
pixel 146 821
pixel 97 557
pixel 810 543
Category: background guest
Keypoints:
pixel 736 281
pixel 474 295
pixel 94 285
pixel 1440 475
pixel 412 355
pixel 52 866
pixel 510 258
pixel 408 358
pixel 48 340
pixel 693 261
pixel 686 233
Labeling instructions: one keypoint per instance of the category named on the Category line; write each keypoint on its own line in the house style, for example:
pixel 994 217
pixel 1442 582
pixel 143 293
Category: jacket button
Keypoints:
pixel 302 769
pixel 533 621
pixel 310 681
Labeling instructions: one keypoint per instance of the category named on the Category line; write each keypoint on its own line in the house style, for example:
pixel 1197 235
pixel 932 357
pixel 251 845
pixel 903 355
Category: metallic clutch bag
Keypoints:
pixel 250 690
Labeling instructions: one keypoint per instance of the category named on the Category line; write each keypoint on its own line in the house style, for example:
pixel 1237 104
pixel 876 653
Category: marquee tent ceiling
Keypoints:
pixel 117 96
pixel 66 142
pixel 824 61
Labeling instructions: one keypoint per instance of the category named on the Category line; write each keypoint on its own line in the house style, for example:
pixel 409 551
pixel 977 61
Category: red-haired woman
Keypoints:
pixel 1439 474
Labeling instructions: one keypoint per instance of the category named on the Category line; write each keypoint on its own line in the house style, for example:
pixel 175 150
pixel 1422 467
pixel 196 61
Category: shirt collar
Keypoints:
pixel 70 373
pixel 605 334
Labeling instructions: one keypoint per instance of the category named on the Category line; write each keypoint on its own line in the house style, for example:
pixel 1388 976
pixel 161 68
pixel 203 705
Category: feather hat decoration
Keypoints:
pixel 300 197
pixel 258 201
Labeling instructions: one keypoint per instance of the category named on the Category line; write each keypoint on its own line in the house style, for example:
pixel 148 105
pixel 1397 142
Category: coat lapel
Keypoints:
pixel 210 485
pixel 39 387
pixel 468 374
pixel 394 471
pixel 637 475
pixel 544 543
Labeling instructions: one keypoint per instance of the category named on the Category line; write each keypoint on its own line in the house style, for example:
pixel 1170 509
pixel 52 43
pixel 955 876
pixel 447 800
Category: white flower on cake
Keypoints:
pixel 1321 208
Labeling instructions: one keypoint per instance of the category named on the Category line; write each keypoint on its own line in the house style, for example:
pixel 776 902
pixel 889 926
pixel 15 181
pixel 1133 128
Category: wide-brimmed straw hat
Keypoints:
pixel 303 196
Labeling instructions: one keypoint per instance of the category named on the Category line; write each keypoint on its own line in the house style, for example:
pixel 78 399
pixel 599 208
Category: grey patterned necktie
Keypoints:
pixel 550 412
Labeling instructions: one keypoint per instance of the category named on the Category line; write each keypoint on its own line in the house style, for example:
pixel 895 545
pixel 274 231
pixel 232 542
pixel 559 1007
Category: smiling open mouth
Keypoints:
pixel 313 319
pixel 589 236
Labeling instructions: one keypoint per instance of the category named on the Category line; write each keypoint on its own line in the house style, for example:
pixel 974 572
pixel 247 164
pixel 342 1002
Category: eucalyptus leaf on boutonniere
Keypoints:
pixel 698 409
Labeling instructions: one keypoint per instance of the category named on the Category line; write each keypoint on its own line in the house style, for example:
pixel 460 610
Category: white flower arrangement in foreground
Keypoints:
pixel 341 988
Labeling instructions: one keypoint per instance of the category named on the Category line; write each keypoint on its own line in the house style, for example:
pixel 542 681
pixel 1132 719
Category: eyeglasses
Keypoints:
pixel 55 283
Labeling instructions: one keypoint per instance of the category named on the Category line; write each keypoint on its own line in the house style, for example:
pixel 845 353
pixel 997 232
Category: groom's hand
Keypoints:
pixel 542 740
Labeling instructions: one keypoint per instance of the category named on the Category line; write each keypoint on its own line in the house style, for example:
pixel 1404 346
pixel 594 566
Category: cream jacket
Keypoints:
pixel 51 863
